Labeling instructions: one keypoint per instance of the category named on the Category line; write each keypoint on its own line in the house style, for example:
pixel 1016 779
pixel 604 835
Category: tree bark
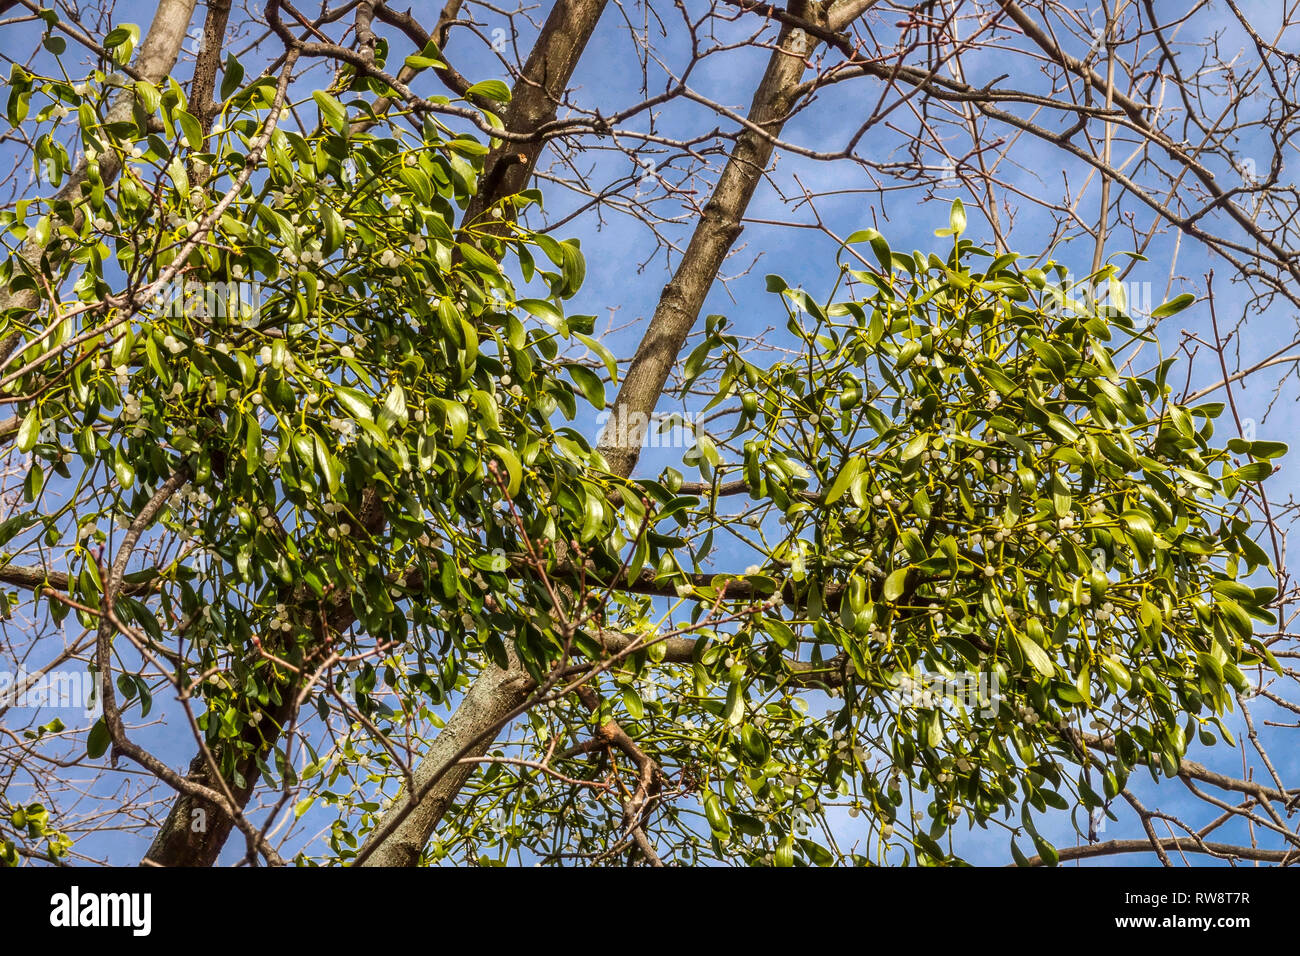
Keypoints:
pixel 468 735
pixel 716 232
pixel 205 68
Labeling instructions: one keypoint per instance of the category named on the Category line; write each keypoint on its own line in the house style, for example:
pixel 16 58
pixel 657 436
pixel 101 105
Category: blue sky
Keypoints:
pixel 607 79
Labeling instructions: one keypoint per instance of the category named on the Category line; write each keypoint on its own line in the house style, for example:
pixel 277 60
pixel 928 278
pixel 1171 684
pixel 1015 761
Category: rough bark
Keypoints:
pixel 205 69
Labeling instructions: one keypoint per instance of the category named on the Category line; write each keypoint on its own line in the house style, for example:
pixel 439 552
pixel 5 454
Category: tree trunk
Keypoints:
pixel 715 233
pixel 468 734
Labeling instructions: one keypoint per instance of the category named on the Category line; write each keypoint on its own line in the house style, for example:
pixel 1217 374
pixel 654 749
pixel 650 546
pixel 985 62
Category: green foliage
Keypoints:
pixel 953 481
pixel 326 367
pixel 29 827
pixel 996 498
pixel 366 414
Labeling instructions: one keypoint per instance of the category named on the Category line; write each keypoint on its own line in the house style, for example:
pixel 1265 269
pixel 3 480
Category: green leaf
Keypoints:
pixel 148 95
pixel 1036 655
pixel 780 632
pixel 606 356
pixel 574 267
pixel 1140 530
pixel 180 178
pixel 713 812
pixel 879 245
pixel 117 36
pixel 632 702
pixel 357 403
pixel 548 312
pixel 494 563
pixel 895 584
pixel 1268 449
pixel 29 431
pixel 1255 471
pixel 913 545
pixel 468 146
pixel 232 76
pixel 329 465
pixel 457 421
pixel 1237 618
pixel 98 739
pixel 591 384
pixel 957 218
pixel 514 472
pixel 34 482
pixel 125 473
pixel 734 712
pixel 1116 296
pixel 190 129
pixel 1173 306
pixel 332 110
pixel 12 526
pixel 593 517
pixel 709 449
pixel 423 62
pixel 492 89
pixel 393 411
pixel 842 481
pixel 1046 851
